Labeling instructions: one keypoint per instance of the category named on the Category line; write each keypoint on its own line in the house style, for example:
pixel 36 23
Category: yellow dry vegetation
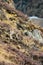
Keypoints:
pixel 18 37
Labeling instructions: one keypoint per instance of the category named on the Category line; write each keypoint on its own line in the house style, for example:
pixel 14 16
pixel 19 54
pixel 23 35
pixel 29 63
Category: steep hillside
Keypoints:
pixel 21 41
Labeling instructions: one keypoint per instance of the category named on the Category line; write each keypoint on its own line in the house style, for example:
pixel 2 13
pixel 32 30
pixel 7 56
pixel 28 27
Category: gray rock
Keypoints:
pixel 37 35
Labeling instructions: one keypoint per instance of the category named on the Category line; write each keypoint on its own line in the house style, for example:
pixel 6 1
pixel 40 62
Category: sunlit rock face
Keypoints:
pixel 36 20
pixel 33 17
pixel 21 41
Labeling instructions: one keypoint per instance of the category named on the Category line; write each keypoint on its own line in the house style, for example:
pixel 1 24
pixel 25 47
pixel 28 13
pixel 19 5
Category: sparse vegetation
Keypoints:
pixel 21 41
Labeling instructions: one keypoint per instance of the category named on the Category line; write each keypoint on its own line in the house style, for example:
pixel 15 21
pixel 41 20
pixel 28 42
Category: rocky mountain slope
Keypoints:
pixel 21 41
